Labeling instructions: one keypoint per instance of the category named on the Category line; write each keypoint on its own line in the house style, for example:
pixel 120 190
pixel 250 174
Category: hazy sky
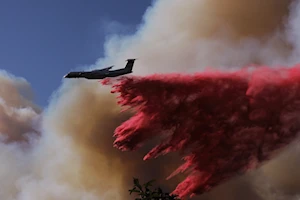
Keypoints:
pixel 41 40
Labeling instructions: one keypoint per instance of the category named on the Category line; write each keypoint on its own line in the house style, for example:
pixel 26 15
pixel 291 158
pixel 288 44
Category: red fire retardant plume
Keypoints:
pixel 222 123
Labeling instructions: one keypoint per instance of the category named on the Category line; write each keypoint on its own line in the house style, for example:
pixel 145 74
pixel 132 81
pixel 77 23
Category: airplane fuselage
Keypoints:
pixel 97 75
pixel 103 73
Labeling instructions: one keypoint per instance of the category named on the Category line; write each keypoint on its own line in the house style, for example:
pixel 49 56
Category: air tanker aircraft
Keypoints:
pixel 103 73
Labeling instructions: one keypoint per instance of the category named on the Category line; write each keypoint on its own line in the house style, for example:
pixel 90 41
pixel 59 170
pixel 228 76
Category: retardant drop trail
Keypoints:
pixel 224 123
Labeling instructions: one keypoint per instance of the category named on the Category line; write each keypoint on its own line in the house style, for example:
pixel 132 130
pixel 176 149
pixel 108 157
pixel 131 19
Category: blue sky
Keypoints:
pixel 41 40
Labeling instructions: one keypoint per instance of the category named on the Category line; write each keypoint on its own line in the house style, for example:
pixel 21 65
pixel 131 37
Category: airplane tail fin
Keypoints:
pixel 129 65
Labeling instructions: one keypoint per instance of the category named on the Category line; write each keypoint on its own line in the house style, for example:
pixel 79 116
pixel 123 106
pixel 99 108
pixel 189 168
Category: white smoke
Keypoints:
pixel 18 115
pixel 200 34
pixel 71 156
pixel 293 31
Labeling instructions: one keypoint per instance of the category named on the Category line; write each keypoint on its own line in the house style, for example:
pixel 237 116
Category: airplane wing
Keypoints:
pixel 107 68
pixel 103 70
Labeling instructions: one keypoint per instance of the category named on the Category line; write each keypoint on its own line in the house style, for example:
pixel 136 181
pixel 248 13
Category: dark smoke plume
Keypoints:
pixel 223 124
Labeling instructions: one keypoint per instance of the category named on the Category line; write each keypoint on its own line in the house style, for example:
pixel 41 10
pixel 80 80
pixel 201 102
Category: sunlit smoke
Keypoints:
pixel 17 112
pixel 18 117
pixel 193 35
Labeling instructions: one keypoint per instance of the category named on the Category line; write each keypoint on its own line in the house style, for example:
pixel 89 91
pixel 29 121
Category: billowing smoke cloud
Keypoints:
pixel 17 112
pixel 189 36
pixel 72 157
pixel 18 116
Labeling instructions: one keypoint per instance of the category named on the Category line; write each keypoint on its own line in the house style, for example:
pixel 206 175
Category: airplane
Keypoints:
pixel 103 73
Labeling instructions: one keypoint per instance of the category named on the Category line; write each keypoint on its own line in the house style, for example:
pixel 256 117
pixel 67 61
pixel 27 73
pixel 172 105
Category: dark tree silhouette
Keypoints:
pixel 145 192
